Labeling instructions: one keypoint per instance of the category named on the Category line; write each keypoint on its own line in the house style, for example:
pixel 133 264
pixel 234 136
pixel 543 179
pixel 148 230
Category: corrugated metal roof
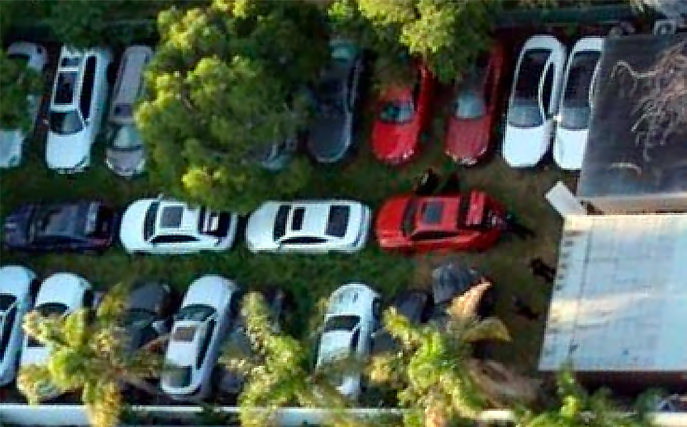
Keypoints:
pixel 620 298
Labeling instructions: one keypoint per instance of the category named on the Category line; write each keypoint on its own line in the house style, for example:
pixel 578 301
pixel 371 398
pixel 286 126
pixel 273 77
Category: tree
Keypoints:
pixel 91 356
pixel 446 35
pixel 578 408
pixel 278 372
pixel 228 80
pixel 434 369
pixel 17 82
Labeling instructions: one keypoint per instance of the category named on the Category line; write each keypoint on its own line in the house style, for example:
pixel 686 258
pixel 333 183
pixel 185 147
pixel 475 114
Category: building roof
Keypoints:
pixel 620 298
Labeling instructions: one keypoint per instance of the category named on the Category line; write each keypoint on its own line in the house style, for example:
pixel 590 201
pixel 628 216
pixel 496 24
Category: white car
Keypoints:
pixel 76 108
pixel 12 140
pixel 309 226
pixel 199 327
pixel 534 101
pixel 165 226
pixel 16 283
pixel 59 295
pixel 351 318
pixel 125 154
pixel 576 105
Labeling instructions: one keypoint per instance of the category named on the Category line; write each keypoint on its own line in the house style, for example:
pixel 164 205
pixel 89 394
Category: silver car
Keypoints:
pixel 331 131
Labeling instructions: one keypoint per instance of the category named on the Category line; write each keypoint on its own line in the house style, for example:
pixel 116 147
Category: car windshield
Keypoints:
pixel 195 313
pixel 6 301
pixel 66 83
pixel 149 221
pixel 524 111
pixel 337 223
pixel 469 104
pixel 576 107
pixel 66 123
pixel 126 138
pixel 396 112
pixel 138 318
pixel 408 224
pixel 329 96
pixel 177 376
pixel 341 323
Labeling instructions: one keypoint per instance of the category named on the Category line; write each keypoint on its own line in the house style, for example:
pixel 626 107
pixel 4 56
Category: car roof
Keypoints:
pixel 310 219
pixel 439 213
pixel 129 85
pixel 61 220
pixel 173 217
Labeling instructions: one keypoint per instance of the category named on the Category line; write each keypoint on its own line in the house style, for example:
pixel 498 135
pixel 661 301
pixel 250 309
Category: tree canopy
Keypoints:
pixel 227 80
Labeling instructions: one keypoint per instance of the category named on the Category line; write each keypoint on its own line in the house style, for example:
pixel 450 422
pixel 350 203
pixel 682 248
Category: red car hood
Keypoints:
pixel 390 218
pixel 467 139
pixel 393 142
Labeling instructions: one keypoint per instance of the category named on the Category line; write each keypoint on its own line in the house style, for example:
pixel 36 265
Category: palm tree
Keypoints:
pixel 278 372
pixel 90 355
pixel 434 368
pixel 578 408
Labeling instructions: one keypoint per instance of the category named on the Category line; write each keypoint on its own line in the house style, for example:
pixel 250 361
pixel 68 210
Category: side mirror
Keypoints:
pixel 160 326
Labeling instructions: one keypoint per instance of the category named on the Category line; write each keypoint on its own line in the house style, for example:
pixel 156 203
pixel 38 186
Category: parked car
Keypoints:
pixel 408 223
pixel 85 226
pixel 414 305
pixel 352 315
pixel 308 226
pixel 229 381
pixel 16 299
pixel 403 113
pixel 452 279
pixel 148 312
pixel 12 140
pixel 59 295
pixel 534 101
pixel 475 109
pixel 331 131
pixel 576 103
pixel 166 226
pixel 76 107
pixel 125 154
pixel 199 327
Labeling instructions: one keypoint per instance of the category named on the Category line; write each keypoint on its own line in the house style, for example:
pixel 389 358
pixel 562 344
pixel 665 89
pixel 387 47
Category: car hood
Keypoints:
pixel 390 217
pixel 15 280
pixel 326 140
pixel 467 140
pixel 525 147
pixel 131 229
pixel 214 291
pixel 569 147
pixel 260 226
pixel 65 152
pixel 125 161
pixel 393 142
pixel 10 147
pixel 149 297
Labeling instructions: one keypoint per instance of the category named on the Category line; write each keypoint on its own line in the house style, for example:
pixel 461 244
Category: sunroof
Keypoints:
pixel 171 217
pixel 431 214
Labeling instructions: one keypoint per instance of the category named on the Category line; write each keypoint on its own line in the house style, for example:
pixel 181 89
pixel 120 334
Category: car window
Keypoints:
pixel 66 122
pixel 548 88
pixel 396 112
pixel 408 223
pixel 87 88
pixel 304 240
pixel 434 235
pixel 65 86
pixel 523 111
pixel 172 238
pixel 354 340
pixel 149 221
pixel 280 222
pixel 6 301
pixel 576 106
pixel 337 222
pixel 297 219
pixel 194 312
pixel 344 323
pixel 177 376
pixel 6 325
pixel 207 339
pixel 99 222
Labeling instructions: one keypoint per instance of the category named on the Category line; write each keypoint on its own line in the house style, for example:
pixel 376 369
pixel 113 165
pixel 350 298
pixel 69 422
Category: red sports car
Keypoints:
pixel 409 223
pixel 402 114
pixel 474 109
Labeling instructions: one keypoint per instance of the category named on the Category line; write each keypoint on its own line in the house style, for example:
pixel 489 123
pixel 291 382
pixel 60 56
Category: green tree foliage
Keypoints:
pixel 226 80
pixel 434 367
pixel 578 408
pixel 89 355
pixel 446 35
pixel 17 82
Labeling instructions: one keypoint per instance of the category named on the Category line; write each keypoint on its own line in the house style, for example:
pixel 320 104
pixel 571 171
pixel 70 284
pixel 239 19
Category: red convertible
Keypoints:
pixel 402 115
pixel 409 223
pixel 474 111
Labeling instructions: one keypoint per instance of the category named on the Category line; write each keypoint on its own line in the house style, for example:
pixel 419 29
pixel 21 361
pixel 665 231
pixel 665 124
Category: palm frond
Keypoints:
pixel 487 329
pixel 112 307
pixel 31 379
pixel 465 306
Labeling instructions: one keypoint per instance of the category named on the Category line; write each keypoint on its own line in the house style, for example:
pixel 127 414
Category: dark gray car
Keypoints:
pixel 148 313
pixel 453 279
pixel 414 305
pixel 331 131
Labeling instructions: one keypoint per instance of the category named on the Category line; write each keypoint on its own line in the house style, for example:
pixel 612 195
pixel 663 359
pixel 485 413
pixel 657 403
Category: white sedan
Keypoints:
pixel 309 226
pixel 165 226
pixel 12 140
pixel 197 333
pixel 351 318
pixel 534 101
pixel 15 301
pixel 576 103
pixel 59 295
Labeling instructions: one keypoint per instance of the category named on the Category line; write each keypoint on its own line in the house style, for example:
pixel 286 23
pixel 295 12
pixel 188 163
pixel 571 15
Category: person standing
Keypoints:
pixel 427 183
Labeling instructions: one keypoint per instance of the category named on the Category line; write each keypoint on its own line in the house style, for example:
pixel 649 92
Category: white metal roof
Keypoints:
pixel 620 298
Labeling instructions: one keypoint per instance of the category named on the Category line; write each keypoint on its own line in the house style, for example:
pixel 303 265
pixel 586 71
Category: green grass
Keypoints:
pixel 310 278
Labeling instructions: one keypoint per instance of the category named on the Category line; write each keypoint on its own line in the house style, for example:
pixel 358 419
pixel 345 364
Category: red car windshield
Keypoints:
pixel 396 112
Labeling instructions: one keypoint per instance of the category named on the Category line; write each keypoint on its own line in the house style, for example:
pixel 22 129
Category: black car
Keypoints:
pixel 414 305
pixel 84 226
pixel 148 313
pixel 451 280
